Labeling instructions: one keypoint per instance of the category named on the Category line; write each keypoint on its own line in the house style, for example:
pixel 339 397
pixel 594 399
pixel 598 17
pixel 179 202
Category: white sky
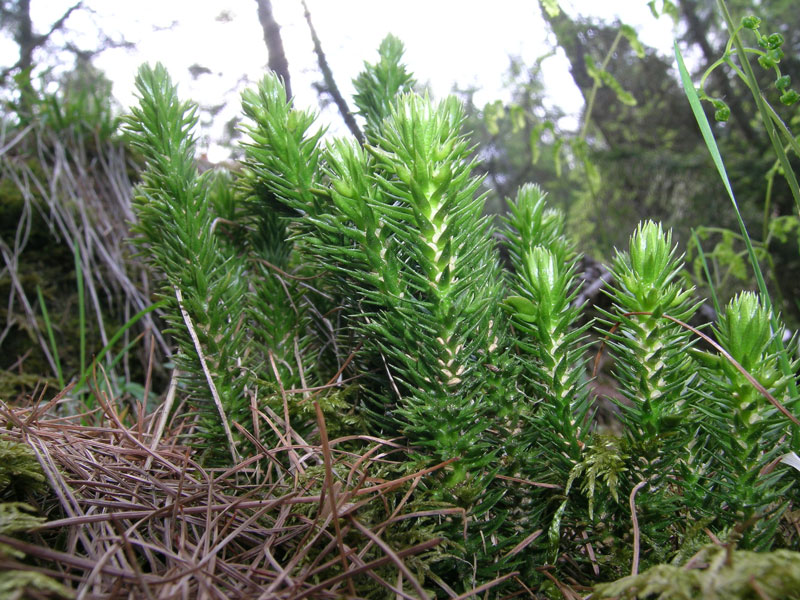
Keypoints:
pixel 464 42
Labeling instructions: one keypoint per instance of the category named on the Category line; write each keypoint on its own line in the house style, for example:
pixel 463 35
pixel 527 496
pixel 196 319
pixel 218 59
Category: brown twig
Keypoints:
pixel 636 532
pixel 330 82
pixel 330 489
pixel 524 543
pixel 272 38
pixel 208 533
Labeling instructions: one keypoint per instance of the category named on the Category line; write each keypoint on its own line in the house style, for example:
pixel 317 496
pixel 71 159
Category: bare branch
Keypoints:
pixel 330 83
pixel 272 38
pixel 59 24
pixel 26 39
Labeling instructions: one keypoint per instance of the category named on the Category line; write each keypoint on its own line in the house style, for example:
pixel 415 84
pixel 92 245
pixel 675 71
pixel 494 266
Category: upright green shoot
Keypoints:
pixel 81 305
pixel 51 337
pixel 205 284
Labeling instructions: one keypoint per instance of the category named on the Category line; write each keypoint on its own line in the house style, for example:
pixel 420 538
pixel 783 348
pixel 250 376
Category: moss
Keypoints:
pixel 20 472
pixel 19 585
pixel 721 575
pixel 13 201
pixel 16 517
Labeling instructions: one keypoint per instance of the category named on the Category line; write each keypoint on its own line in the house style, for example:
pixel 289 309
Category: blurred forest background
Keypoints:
pixel 68 276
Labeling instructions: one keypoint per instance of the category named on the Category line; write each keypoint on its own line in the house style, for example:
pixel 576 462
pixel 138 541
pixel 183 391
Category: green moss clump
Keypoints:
pixel 20 472
pixel 16 516
pixel 18 585
pixel 723 574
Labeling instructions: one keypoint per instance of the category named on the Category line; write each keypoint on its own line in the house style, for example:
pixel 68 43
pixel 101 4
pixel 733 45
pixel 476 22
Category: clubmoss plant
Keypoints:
pixel 546 319
pixel 396 226
pixel 554 424
pixel 754 434
pixel 400 228
pixel 650 348
pixel 204 284
pixel 655 374
pixel 328 259
pixel 379 84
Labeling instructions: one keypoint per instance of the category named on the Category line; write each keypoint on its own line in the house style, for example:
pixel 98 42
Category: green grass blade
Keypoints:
pixel 706 270
pixel 120 332
pixel 81 304
pixel 51 337
pixel 711 144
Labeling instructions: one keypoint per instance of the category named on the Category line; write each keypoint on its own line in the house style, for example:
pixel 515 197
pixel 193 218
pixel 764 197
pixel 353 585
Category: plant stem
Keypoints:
pixel 81 305
pixel 752 83
pixel 597 84
pixel 51 336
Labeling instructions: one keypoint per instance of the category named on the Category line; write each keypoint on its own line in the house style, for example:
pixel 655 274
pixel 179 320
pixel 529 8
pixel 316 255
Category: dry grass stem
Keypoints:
pixel 209 379
pixel 635 524
pixel 132 515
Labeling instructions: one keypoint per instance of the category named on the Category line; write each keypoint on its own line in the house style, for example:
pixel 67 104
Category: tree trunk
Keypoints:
pixel 18 15
pixel 567 37
pixel 272 37
pixel 26 41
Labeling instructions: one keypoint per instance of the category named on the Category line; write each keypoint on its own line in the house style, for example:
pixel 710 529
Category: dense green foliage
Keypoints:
pixel 367 280
pixel 393 237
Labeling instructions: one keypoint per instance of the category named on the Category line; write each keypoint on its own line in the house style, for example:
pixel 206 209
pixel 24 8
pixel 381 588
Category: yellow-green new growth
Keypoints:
pixel 754 433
